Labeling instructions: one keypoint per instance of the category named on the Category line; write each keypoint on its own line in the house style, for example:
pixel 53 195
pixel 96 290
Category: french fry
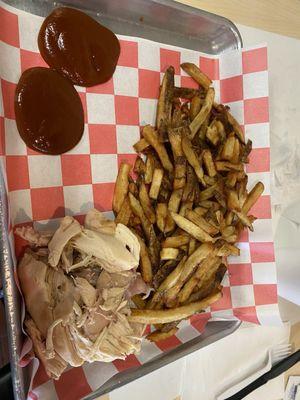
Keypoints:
pixel 168 253
pixel 138 301
pixel 233 200
pixel 164 105
pixel 196 74
pixel 195 107
pixel 228 166
pixel 236 152
pixel 138 211
pixel 236 127
pixel 124 213
pixel 145 263
pixel 176 241
pixel 209 163
pixel 200 211
pixel 228 149
pixel 231 179
pixel 192 158
pixel 179 173
pixel 187 205
pixel 203 113
pixel 132 188
pixel 161 215
pixel 192 246
pixel 170 315
pixel 141 145
pixel 146 203
pixel 203 128
pixel 185 92
pixel 252 197
pixel 192 229
pixel 191 180
pixel 149 169
pixel 156 182
pixel 201 222
pixel 173 205
pixel 151 136
pixel 208 193
pixel 158 335
pixel 121 187
pixel 212 135
pixel 244 219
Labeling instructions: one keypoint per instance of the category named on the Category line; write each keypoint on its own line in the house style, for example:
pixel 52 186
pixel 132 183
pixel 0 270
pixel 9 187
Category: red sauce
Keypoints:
pixel 49 112
pixel 78 47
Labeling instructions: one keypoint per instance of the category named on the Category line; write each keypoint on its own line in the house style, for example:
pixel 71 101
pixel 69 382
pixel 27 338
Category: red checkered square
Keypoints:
pixel 246 314
pixel 255 60
pixel 170 57
pixel 2 137
pixel 104 88
pixel 102 139
pixel 210 66
pixel 129 54
pixel 9 32
pixel 127 110
pixel 40 377
pixel 187 81
pixel 262 208
pixel 129 362
pixel 149 82
pixel 231 89
pixel 225 302
pixel 262 252
pixel 240 274
pixel 8 95
pixel 76 169
pixel 47 203
pixel 265 294
pixel 31 59
pixel 72 385
pixel 244 236
pixel 199 321
pixel 256 110
pixel 169 343
pixel 82 96
pixel 17 172
pixel 103 195
pixel 259 160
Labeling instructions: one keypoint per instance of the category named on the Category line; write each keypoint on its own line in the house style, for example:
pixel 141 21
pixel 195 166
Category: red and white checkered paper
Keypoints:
pixel 43 188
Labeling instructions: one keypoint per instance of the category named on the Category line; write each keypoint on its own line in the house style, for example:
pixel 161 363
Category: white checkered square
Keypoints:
pixel 149 351
pixel 147 111
pixel 269 315
pixel 83 147
pixel 264 273
pixel 44 171
pixel 255 85
pixel 244 257
pixel 259 134
pixel 104 168
pixel 101 108
pixel 10 55
pixel 230 64
pixel 262 231
pixel 237 110
pixel 216 85
pixel 149 55
pixel 29 26
pixel 225 281
pixel 127 136
pixel 126 81
pixel 221 314
pixel 186 331
pixel 20 206
pixel 14 145
pixel 255 177
pixel 242 296
pixel 98 369
pixel 46 391
pixel 188 56
pixel 78 199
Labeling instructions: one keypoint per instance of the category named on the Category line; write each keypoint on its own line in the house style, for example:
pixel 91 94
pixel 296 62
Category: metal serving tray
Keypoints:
pixel 160 20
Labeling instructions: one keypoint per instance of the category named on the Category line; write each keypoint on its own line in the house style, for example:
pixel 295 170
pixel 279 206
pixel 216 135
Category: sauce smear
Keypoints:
pixel 49 112
pixel 78 47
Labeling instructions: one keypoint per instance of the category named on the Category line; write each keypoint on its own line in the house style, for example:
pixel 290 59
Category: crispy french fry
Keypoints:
pixel 156 336
pixel 179 173
pixel 164 106
pixel 191 180
pixel 200 211
pixel 192 229
pixel 173 277
pixel 252 197
pixel 228 166
pixel 226 250
pixel 195 106
pixel 124 213
pixel 141 145
pixel 201 222
pixel 233 200
pixel 161 214
pixel 236 127
pixel 139 166
pixel 228 149
pixel 231 179
pixel 187 205
pixel 145 263
pixel 173 205
pixel 244 219
pixel 192 158
pixel 192 246
pixel 208 193
pixel 121 187
pixel 196 74
pixel 152 138
pixel 138 211
pixel 149 169
pixel 146 203
pixel 185 92
pixel 132 188
pixel 212 134
pixel 175 241
pixel 168 253
pixel 156 183
pixel 165 316
pixel 236 152
pixel 203 113
pixel 138 301
pixel 209 163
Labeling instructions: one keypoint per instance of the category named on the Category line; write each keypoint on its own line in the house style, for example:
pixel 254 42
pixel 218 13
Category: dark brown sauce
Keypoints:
pixel 49 112
pixel 78 47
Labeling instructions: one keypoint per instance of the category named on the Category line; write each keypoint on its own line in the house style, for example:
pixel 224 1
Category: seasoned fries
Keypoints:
pixel 188 204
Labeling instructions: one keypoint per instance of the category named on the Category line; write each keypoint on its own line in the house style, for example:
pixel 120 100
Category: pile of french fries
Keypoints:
pixel 188 203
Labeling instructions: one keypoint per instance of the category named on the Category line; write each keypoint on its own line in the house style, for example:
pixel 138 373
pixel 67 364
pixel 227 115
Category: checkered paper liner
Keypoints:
pixel 42 189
